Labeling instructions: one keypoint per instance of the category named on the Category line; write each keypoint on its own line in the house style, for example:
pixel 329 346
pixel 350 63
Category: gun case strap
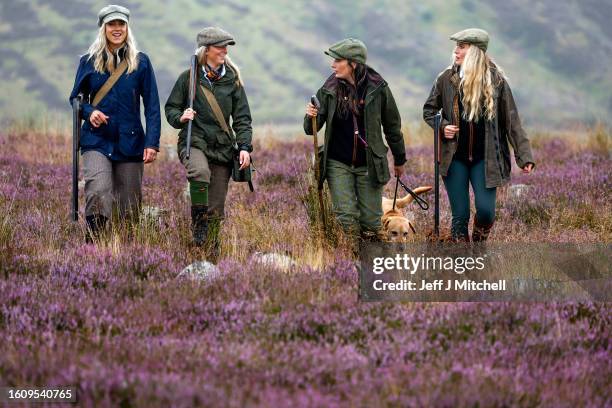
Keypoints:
pixel 110 82
pixel 214 105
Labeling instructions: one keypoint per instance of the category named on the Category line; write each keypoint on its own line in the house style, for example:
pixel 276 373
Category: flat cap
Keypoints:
pixel 349 48
pixel 476 36
pixel 113 12
pixel 214 36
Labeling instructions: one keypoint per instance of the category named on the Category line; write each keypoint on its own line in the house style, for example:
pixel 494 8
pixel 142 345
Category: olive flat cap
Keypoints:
pixel 113 12
pixel 350 48
pixel 476 36
pixel 214 36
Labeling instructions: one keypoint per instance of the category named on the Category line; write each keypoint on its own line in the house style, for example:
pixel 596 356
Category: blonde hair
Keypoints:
pixel 477 85
pixel 99 49
pixel 201 54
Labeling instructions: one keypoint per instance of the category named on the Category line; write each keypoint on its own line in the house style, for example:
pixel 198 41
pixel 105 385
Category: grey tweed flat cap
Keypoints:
pixel 214 36
pixel 113 12
pixel 476 36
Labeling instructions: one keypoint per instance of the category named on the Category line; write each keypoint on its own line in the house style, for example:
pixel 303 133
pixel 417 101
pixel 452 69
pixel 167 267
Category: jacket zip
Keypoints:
pixel 355 136
pixel 354 147
pixel 456 118
pixel 365 116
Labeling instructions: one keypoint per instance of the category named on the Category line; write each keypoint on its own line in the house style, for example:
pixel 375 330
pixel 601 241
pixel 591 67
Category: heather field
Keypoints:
pixel 114 320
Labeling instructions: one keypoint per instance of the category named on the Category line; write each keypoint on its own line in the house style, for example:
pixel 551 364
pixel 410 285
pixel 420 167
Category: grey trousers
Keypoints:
pixel 200 169
pixel 109 183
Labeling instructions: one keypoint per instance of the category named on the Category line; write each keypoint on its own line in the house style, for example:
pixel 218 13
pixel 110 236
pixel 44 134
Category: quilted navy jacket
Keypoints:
pixel 123 138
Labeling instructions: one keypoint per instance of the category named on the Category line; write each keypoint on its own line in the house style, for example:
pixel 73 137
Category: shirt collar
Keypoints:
pixel 220 71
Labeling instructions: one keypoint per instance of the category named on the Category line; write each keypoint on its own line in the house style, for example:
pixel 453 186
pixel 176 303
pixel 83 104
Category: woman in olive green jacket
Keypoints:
pixel 212 150
pixel 479 118
pixel 355 102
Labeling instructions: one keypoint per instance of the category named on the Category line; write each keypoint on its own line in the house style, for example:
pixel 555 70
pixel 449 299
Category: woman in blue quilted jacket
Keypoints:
pixel 114 145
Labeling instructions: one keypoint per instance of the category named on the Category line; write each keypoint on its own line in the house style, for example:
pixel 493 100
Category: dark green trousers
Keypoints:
pixel 356 202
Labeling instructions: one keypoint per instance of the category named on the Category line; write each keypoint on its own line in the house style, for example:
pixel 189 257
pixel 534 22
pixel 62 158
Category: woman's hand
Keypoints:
pixel 398 171
pixel 311 110
pixel 245 159
pixel 450 130
pixel 149 155
pixel 97 118
pixel 189 114
pixel 527 169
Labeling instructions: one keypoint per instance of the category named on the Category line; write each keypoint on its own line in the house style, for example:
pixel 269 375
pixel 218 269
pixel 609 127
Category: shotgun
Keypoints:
pixel 437 120
pixel 76 137
pixel 193 77
pixel 315 101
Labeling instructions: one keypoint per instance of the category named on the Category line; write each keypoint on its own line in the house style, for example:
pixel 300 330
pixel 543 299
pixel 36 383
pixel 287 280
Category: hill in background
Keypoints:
pixel 558 55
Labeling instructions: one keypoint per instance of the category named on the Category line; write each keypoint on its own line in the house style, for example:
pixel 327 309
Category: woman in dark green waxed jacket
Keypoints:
pixel 212 150
pixel 479 117
pixel 355 103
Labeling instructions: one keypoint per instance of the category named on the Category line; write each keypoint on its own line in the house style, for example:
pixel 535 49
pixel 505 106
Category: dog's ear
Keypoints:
pixel 386 223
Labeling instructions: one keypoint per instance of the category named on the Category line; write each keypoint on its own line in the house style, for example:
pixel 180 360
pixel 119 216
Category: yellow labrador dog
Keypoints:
pixel 395 226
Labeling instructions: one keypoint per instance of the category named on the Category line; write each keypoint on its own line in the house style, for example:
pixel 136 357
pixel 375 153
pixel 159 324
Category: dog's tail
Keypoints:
pixel 404 201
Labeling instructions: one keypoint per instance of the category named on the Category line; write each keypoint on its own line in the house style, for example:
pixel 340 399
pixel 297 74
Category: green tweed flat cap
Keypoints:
pixel 214 36
pixel 476 36
pixel 113 12
pixel 350 48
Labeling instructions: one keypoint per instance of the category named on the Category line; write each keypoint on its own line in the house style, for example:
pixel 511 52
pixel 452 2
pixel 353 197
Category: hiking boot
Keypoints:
pixel 199 224
pixel 480 232
pixel 95 225
pixel 456 239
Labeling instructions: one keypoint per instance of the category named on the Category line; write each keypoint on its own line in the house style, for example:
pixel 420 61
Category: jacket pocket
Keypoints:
pixel 223 139
pixel 381 166
pixel 91 137
pixel 131 139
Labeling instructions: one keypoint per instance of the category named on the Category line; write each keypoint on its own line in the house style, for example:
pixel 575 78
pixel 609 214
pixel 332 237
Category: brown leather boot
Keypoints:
pixel 461 239
pixel 95 225
pixel 480 232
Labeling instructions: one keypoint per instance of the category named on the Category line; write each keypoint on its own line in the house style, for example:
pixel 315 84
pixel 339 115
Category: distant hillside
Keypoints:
pixel 558 55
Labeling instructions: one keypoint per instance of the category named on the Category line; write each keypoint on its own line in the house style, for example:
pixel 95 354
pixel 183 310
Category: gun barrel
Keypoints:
pixel 193 73
pixel 76 136
pixel 437 121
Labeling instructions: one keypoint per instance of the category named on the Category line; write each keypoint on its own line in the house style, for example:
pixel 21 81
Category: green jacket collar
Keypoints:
pixel 375 83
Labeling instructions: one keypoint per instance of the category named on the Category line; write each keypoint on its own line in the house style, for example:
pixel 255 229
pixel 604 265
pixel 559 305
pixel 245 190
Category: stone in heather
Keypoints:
pixel 519 191
pixel 170 149
pixel 275 260
pixel 187 193
pixel 153 215
pixel 201 271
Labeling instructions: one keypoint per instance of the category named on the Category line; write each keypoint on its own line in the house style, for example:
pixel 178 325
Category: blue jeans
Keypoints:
pixel 459 175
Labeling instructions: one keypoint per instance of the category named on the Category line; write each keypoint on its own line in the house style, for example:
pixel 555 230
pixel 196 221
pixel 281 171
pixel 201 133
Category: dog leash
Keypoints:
pixel 419 200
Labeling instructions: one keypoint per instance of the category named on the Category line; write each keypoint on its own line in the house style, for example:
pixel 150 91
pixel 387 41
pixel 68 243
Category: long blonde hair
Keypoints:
pixel 201 54
pixel 477 84
pixel 99 49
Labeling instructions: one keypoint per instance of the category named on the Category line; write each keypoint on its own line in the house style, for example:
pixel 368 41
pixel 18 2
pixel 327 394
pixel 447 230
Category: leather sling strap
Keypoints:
pixel 110 82
pixel 214 105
